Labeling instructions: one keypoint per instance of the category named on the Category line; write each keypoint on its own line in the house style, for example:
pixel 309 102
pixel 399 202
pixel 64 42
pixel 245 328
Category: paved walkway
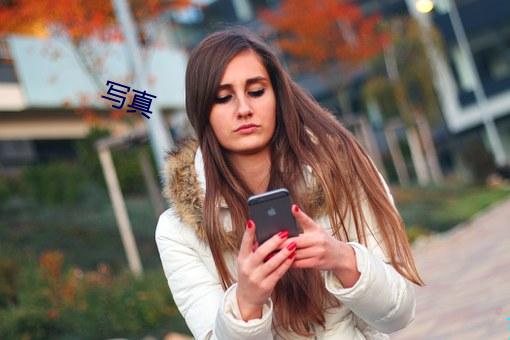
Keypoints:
pixel 467 276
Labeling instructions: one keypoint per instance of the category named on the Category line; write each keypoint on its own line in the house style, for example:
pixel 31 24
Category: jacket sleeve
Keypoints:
pixel 210 313
pixel 381 297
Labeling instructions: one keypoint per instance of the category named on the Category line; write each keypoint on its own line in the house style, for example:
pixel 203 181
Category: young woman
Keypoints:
pixel 348 275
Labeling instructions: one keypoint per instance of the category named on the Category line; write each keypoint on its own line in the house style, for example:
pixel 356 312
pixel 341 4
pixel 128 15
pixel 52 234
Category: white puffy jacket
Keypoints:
pixel 381 302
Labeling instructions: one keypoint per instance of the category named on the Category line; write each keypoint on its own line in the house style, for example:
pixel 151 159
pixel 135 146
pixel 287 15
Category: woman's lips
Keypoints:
pixel 247 128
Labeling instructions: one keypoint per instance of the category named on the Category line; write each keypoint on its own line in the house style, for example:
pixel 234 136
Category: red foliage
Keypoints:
pixel 318 31
pixel 78 18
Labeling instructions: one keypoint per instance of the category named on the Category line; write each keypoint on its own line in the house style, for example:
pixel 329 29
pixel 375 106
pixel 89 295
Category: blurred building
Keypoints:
pixel 43 83
pixel 489 41
pixel 487 27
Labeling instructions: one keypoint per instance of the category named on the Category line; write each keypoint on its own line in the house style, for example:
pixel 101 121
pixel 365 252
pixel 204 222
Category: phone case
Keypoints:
pixel 271 213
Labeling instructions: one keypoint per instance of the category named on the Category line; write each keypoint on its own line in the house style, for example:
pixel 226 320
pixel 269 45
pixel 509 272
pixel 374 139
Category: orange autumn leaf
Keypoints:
pixel 78 18
pixel 320 31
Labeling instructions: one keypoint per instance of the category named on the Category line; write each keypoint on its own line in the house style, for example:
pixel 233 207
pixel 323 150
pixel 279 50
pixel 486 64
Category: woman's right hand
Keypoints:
pixel 256 277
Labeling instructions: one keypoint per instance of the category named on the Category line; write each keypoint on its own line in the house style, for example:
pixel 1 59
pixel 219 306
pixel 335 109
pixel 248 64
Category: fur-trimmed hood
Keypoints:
pixel 185 186
pixel 183 189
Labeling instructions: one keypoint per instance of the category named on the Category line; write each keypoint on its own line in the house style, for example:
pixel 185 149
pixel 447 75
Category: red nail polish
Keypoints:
pixel 296 208
pixel 250 224
pixel 268 257
pixel 291 256
pixel 292 246
pixel 283 234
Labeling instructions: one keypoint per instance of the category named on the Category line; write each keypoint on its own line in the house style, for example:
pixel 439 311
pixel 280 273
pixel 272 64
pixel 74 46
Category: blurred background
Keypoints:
pixel 424 85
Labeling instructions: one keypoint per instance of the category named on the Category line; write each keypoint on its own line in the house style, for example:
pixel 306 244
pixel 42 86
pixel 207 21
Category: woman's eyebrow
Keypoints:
pixel 249 81
pixel 255 80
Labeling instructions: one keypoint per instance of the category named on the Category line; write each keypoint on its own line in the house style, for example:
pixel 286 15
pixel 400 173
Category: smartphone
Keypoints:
pixel 271 213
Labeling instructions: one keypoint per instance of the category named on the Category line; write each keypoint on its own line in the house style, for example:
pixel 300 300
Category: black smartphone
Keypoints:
pixel 271 213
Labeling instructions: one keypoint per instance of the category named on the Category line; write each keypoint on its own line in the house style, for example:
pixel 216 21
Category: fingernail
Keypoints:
pixel 250 224
pixel 269 257
pixel 296 208
pixel 292 246
pixel 283 234
pixel 291 256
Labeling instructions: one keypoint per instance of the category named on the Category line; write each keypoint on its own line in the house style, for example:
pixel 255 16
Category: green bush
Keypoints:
pixel 126 162
pixel 437 209
pixel 4 190
pixel 61 182
pixel 53 302
pixel 87 156
pixel 53 183
pixel 129 171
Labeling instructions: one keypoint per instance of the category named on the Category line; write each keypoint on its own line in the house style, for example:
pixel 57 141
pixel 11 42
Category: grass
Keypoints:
pixel 86 232
pixel 438 209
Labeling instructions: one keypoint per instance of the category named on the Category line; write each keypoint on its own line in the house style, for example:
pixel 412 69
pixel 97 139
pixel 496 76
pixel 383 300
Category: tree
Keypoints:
pixel 82 23
pixel 332 37
pixel 406 91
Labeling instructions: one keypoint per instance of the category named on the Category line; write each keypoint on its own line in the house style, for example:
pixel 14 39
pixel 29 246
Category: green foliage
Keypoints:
pixel 411 85
pixel 54 302
pixel 4 190
pixel 129 171
pixel 75 229
pixel 88 159
pixel 53 183
pixel 64 182
pixel 437 209
pixel 381 91
pixel 126 162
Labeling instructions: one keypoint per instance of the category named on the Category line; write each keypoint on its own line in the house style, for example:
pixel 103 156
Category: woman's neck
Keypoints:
pixel 253 169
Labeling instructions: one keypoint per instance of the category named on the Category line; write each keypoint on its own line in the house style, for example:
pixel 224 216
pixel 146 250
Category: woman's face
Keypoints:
pixel 243 115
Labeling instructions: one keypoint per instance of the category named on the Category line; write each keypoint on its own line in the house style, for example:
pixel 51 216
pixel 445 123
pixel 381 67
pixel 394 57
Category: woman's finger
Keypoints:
pixel 248 240
pixel 279 258
pixel 281 269
pixel 303 219
pixel 271 245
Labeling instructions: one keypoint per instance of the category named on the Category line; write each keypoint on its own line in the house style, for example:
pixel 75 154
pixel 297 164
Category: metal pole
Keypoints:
pixel 480 96
pixel 159 134
pixel 121 215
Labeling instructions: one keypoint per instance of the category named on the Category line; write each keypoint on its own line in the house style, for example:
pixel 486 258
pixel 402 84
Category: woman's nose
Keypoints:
pixel 243 107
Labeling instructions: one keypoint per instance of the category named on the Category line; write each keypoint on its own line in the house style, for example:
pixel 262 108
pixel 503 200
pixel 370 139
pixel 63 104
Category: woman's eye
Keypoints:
pixel 224 99
pixel 257 93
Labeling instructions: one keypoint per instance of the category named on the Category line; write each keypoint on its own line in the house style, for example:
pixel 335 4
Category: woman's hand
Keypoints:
pixel 319 250
pixel 257 276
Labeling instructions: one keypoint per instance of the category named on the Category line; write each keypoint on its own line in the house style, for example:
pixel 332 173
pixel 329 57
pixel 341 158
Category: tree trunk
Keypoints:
pixel 370 144
pixel 396 154
pixel 429 147
pixel 420 165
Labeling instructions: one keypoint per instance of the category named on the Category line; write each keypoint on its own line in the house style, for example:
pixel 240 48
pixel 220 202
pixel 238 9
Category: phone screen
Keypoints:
pixel 271 213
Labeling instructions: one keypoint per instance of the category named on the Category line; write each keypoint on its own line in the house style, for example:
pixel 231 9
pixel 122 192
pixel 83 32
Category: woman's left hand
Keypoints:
pixel 317 249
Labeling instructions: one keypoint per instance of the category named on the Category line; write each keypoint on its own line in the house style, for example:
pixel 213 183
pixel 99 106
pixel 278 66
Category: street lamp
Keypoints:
pixel 425 6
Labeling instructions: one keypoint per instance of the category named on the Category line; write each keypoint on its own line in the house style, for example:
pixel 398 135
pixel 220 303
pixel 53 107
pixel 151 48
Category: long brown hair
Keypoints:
pixel 306 136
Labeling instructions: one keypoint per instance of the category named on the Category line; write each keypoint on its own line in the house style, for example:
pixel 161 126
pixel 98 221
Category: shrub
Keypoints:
pixel 126 162
pixel 52 302
pixel 52 183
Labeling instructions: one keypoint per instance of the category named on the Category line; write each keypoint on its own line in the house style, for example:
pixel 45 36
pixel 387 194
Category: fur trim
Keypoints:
pixel 182 189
